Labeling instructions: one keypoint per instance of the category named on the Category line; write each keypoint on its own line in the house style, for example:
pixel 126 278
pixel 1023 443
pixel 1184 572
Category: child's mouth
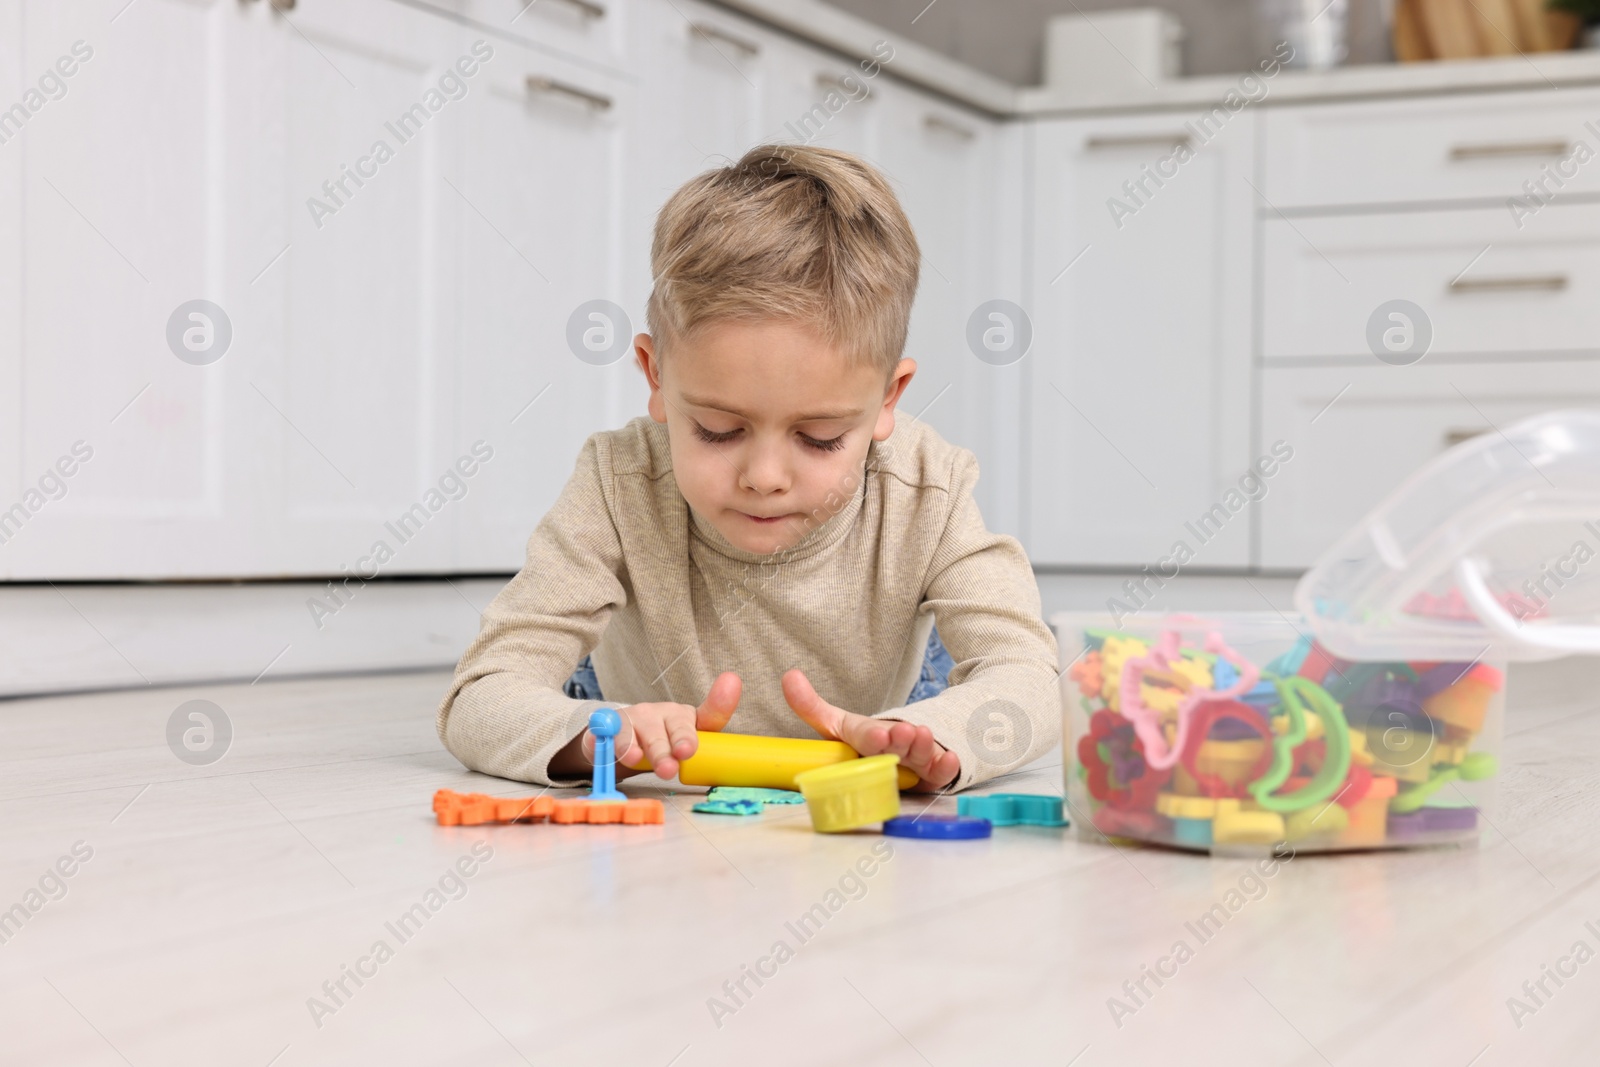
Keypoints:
pixel 763 520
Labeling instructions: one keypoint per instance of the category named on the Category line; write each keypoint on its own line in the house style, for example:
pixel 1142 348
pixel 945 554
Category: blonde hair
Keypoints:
pixel 791 232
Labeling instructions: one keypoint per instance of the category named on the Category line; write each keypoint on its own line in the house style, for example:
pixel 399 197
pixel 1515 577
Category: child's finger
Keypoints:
pixel 901 736
pixel 920 756
pixel 650 734
pixel 680 725
pixel 815 712
pixel 720 702
pixel 940 773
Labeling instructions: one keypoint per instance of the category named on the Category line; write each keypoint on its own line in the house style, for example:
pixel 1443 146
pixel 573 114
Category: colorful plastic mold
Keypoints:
pixel 605 724
pixel 1013 809
pixel 938 827
pixel 476 809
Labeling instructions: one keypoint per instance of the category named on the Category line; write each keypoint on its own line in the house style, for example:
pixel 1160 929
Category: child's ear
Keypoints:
pixel 898 381
pixel 645 356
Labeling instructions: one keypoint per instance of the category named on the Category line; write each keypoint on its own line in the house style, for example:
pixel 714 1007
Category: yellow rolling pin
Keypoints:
pixel 760 762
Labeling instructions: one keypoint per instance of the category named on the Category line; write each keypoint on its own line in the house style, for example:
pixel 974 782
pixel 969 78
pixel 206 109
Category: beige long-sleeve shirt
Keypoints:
pixel 622 568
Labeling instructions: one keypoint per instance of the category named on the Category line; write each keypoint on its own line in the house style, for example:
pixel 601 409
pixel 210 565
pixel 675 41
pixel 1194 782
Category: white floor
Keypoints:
pixel 218 900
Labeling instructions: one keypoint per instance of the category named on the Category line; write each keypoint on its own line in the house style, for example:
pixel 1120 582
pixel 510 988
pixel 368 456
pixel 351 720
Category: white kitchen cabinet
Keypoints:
pixel 388 309
pixel 1357 432
pixel 540 181
pixel 133 183
pixel 323 417
pixel 1139 377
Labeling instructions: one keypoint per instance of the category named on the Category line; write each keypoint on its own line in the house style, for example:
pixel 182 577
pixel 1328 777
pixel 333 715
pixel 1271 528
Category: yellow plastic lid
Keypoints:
pixel 848 776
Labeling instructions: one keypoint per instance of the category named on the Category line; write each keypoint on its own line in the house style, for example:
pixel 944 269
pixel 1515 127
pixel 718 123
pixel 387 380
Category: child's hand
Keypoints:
pixel 663 732
pixel 935 765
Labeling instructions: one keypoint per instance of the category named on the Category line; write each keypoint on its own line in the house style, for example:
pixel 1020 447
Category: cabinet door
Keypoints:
pixel 130 185
pixel 1140 370
pixel 11 430
pixel 539 192
pixel 356 391
pixel 941 161
pixel 708 73
pixel 1357 432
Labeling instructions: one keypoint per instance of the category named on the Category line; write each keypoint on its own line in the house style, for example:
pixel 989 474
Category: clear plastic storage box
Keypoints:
pixel 1371 717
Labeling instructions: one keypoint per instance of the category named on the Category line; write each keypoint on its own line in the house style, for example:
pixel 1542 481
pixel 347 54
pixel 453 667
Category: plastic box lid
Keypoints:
pixel 1493 547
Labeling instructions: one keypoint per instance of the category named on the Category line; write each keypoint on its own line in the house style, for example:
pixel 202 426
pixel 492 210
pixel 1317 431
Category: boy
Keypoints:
pixel 771 520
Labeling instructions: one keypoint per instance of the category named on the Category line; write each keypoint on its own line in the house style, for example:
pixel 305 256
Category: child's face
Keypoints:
pixel 769 426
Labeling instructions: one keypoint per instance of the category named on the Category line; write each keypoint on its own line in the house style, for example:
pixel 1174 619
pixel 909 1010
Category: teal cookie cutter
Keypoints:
pixel 1013 809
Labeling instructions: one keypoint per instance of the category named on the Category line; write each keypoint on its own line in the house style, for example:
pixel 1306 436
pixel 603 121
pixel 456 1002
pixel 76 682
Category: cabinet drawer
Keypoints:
pixel 594 30
pixel 1357 432
pixel 1486 287
pixel 1450 148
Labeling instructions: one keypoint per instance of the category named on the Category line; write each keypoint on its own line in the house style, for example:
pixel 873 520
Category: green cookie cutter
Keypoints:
pixel 1477 766
pixel 1296 693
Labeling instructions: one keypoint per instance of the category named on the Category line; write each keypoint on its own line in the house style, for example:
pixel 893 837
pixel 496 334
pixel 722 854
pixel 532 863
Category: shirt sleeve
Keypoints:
pixel 506 713
pixel 1003 706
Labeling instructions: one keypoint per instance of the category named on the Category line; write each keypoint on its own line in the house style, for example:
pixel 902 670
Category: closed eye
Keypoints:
pixel 712 437
pixel 832 444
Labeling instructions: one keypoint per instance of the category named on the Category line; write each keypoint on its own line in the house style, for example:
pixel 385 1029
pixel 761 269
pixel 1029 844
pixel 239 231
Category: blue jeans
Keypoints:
pixel 936 666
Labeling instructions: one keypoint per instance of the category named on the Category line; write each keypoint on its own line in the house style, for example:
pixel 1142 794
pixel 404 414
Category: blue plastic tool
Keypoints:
pixel 605 724
pixel 937 827
pixel 1013 809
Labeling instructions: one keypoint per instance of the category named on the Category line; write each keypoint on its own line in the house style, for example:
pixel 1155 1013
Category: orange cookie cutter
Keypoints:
pixel 476 809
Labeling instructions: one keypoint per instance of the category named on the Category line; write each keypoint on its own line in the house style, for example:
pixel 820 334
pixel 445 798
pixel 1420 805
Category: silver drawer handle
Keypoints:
pixel 1455 437
pixel 1510 148
pixel 716 33
pixel 834 81
pixel 539 84
pixel 1546 282
pixel 938 122
pixel 1139 140
pixel 588 8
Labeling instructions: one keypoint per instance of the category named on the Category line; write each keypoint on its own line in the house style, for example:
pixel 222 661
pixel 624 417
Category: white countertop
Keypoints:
pixel 920 65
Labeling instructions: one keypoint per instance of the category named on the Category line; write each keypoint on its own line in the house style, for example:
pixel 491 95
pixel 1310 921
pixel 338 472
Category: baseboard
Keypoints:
pixel 75 637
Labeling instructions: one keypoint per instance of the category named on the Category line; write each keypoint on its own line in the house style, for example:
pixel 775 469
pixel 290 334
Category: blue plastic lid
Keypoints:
pixel 937 827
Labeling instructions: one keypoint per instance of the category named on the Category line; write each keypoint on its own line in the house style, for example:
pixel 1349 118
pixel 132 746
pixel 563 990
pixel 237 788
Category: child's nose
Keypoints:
pixel 766 470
